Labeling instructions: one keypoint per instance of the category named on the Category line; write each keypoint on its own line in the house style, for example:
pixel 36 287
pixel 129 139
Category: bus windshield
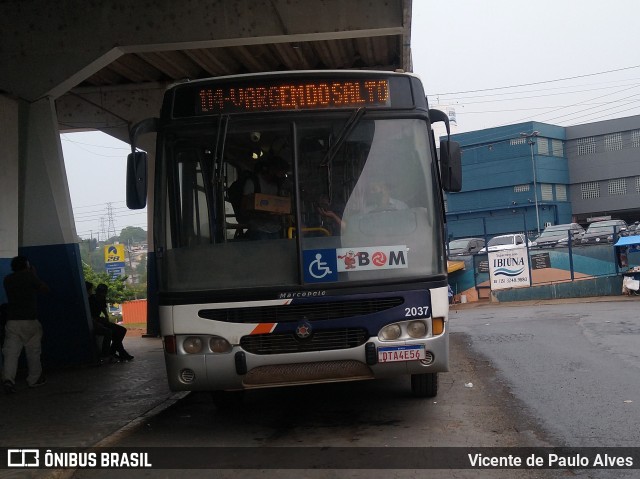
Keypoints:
pixel 285 202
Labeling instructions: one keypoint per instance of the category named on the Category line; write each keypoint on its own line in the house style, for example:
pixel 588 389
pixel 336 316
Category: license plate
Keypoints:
pixel 400 353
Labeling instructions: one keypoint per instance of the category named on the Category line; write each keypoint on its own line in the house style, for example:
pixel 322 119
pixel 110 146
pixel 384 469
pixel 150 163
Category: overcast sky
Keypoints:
pixel 472 54
pixel 497 62
pixel 96 170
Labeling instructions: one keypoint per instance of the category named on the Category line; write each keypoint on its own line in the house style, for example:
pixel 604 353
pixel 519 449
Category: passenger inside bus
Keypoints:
pixel 270 179
pixel 330 219
pixel 379 198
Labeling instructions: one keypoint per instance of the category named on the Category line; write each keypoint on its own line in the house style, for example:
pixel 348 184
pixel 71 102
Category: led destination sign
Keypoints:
pixel 293 95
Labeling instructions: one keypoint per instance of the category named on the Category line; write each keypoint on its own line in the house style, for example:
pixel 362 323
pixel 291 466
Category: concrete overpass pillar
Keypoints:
pixel 9 116
pixel 45 229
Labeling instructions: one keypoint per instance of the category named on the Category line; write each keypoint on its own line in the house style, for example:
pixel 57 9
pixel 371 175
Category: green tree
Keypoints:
pixel 92 253
pixel 132 234
pixel 139 290
pixel 118 291
pixel 93 266
pixel 141 270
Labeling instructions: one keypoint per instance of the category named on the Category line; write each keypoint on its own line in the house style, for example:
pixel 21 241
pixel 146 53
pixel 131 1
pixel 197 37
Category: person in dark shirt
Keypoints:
pixel 270 175
pixel 100 329
pixel 22 329
pixel 100 315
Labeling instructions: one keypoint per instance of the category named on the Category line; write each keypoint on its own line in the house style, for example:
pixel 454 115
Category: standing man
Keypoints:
pixel 23 330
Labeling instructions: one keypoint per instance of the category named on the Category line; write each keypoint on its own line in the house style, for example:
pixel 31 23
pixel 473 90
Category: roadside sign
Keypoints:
pixel 114 260
pixel 114 253
pixel 509 269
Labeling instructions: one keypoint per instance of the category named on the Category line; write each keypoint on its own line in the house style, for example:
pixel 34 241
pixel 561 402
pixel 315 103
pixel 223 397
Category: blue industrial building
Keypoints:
pixel 525 176
pixel 500 191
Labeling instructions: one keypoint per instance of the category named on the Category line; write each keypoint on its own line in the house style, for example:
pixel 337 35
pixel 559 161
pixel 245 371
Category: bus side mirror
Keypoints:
pixel 451 165
pixel 137 180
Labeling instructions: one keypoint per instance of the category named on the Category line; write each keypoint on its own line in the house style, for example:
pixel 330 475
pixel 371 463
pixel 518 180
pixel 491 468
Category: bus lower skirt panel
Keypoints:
pixel 305 373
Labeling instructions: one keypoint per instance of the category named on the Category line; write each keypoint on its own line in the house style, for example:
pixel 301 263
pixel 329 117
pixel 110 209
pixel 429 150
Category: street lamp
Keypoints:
pixel 531 142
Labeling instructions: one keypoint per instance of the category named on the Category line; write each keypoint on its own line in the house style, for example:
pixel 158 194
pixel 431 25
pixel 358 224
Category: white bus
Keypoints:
pixel 298 230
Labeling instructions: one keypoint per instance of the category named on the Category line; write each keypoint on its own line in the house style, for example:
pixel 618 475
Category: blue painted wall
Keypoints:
pixel 64 311
pixel 5 269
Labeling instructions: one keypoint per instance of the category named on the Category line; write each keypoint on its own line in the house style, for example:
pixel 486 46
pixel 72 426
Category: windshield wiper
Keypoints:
pixel 348 127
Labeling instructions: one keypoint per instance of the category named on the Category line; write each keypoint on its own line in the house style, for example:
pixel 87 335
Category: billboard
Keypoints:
pixel 114 259
pixel 509 269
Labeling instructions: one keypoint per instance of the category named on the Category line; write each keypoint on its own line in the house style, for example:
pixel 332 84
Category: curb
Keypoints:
pixel 533 302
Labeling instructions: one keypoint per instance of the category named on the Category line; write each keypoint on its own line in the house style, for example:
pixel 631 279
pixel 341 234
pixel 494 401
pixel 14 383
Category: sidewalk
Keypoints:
pixel 86 406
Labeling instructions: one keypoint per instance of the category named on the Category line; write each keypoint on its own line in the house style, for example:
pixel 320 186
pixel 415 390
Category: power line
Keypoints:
pixel 125 148
pixel 99 154
pixel 613 113
pixel 575 92
pixel 100 212
pixel 594 113
pixel 635 80
pixel 99 204
pixel 596 98
pixel 558 109
pixel 462 113
pixel 537 83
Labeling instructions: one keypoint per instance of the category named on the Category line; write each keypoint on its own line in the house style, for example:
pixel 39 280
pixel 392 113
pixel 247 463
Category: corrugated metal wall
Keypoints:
pixel 134 311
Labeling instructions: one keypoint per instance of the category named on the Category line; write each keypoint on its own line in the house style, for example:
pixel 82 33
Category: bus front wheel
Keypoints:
pixel 424 385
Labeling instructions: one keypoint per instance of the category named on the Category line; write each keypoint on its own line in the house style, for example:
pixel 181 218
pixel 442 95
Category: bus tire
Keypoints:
pixel 227 399
pixel 424 385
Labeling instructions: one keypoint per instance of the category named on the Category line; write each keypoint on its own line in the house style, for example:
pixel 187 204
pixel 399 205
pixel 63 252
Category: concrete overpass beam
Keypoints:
pixel 111 110
pixel 62 44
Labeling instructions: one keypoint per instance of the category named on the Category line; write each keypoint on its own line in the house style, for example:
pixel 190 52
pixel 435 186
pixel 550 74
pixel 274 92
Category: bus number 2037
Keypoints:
pixel 417 312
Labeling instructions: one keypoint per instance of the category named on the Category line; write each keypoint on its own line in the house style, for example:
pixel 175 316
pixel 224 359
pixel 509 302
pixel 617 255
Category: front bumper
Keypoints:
pixel 238 369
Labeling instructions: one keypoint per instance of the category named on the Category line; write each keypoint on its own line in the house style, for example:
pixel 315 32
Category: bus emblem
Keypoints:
pixel 303 330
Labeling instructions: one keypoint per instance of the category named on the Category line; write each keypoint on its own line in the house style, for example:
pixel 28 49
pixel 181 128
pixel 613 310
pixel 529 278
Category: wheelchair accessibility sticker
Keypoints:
pixel 320 265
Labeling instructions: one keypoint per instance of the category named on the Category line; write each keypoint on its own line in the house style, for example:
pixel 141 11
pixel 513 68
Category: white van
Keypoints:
pixel 498 243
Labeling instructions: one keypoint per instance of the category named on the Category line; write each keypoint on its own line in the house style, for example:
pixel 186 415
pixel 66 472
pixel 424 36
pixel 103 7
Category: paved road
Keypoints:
pixel 365 414
pixel 541 375
pixel 575 367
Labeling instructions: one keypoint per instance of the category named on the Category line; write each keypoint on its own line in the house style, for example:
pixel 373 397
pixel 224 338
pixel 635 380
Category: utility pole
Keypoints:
pixel 103 229
pixel 529 137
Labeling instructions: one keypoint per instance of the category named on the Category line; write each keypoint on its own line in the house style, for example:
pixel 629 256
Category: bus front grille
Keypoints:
pixel 308 311
pixel 282 343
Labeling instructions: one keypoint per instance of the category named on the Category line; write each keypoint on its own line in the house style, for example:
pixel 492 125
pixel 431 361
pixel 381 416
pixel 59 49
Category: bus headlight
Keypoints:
pixel 192 345
pixel 390 332
pixel 219 345
pixel 417 329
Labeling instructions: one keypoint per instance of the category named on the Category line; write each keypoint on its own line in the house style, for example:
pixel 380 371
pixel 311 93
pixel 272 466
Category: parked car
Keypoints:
pixel 464 246
pixel 602 231
pixel 502 242
pixel 558 235
pixel 633 229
